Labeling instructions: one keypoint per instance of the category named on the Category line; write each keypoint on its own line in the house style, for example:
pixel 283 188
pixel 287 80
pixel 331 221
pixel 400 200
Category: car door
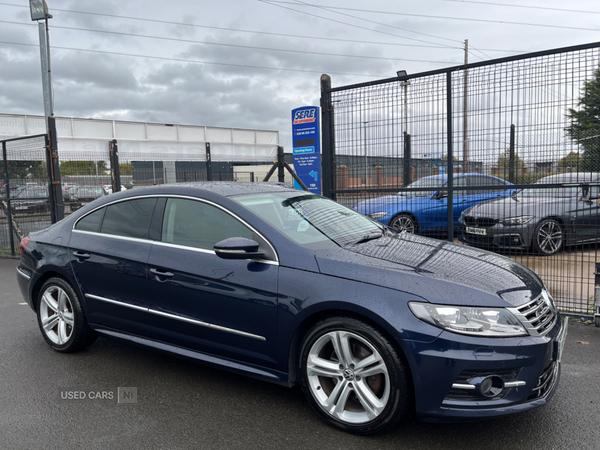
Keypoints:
pixel 437 211
pixel 223 307
pixel 586 216
pixel 109 251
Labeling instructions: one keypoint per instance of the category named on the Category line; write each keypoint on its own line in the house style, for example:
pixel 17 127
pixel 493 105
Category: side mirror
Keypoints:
pixel 438 195
pixel 237 248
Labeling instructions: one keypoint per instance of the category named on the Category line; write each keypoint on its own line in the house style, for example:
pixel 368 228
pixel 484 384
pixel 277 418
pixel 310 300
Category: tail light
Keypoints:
pixel 24 243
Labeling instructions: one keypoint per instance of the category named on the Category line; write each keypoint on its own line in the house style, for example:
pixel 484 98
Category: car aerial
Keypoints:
pixel 544 220
pixel 427 211
pixel 30 199
pixel 293 288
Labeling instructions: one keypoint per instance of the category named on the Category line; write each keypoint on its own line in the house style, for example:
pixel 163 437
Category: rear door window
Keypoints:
pixel 130 218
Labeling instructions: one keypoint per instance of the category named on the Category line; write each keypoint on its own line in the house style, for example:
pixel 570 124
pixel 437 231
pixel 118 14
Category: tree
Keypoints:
pixel 585 123
pixel 504 163
pixel 571 160
pixel 82 167
pixel 27 170
pixel 125 169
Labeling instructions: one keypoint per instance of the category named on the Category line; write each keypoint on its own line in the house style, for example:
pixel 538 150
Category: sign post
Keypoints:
pixel 306 139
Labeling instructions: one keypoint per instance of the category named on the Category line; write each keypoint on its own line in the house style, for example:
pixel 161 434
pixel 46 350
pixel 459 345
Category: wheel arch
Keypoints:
pixel 336 310
pixel 51 273
pixel 566 229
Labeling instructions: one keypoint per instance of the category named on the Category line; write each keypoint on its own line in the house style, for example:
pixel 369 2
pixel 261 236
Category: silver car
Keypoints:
pixel 544 220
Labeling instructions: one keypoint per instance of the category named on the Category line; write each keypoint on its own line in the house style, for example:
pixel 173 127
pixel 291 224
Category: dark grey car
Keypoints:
pixel 544 220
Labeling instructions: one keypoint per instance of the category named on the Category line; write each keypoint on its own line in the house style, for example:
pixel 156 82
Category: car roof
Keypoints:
pixel 572 177
pixel 224 188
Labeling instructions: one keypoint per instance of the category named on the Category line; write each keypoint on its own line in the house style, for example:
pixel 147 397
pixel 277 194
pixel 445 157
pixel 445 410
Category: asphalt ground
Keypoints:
pixel 177 404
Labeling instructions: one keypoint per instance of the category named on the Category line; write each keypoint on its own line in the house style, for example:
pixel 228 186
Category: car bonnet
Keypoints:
pixel 439 271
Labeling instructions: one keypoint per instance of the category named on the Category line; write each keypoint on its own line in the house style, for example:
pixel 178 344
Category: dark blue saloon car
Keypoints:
pixel 293 288
pixel 417 211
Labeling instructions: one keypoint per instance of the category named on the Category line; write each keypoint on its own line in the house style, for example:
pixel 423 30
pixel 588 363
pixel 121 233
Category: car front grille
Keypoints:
pixel 545 382
pixel 483 222
pixel 538 316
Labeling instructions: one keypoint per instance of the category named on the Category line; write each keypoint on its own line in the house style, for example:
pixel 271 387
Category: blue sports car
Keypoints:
pixel 427 211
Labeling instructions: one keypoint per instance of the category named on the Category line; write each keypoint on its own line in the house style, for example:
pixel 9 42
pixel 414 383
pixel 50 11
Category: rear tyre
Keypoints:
pixel 61 318
pixel 404 222
pixel 548 237
pixel 352 376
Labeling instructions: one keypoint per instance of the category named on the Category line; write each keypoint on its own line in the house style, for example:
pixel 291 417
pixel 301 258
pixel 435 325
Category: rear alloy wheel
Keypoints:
pixel 352 376
pixel 548 237
pixel 60 317
pixel 404 222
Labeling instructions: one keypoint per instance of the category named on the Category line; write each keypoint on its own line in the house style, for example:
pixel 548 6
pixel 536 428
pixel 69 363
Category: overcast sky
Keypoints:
pixel 248 63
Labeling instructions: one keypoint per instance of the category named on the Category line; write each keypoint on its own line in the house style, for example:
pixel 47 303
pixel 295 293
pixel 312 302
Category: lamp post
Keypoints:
pixel 39 14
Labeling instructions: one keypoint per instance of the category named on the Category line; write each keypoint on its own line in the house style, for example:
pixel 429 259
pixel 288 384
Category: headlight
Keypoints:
pixel 377 215
pixel 521 220
pixel 485 322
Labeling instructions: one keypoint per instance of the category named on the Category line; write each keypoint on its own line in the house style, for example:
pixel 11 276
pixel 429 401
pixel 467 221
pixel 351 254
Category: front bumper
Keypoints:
pixel 530 366
pixel 499 237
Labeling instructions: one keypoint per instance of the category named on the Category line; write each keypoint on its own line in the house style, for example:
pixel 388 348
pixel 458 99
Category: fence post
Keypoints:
pixel 280 167
pixel 115 171
pixel 407 178
pixel 450 169
pixel 328 138
pixel 54 172
pixel 208 163
pixel 511 158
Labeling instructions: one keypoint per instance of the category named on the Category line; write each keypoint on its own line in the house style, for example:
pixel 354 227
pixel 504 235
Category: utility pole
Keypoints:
pixel 465 112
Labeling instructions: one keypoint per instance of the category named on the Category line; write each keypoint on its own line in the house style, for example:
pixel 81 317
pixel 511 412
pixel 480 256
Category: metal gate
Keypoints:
pixel 434 153
pixel 26 200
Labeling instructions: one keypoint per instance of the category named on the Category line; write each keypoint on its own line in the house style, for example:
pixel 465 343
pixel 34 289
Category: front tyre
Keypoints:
pixel 352 376
pixel 61 319
pixel 404 222
pixel 548 237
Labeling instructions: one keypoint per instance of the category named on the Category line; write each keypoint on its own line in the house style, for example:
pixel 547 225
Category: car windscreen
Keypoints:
pixel 422 183
pixel 310 220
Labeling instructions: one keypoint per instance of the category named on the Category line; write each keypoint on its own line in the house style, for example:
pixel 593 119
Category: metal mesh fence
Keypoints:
pixel 524 151
pixel 24 191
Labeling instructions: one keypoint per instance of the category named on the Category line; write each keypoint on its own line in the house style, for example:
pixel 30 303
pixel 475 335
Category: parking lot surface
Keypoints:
pixel 118 395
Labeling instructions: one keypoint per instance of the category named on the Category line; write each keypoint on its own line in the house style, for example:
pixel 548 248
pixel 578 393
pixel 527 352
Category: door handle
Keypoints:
pixel 160 273
pixel 81 256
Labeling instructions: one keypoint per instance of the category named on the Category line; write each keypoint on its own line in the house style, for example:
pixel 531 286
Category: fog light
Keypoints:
pixel 491 386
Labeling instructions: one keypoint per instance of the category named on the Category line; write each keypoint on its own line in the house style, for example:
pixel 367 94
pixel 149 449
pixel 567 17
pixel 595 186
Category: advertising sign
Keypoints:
pixel 306 139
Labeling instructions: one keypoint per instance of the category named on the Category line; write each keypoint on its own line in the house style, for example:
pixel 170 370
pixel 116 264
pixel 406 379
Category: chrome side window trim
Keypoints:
pixel 175 245
pixel 176 317
pixel 116 302
pixel 114 236
pixel 23 274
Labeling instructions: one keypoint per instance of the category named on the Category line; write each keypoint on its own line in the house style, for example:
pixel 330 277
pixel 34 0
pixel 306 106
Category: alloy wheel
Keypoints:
pixel 403 222
pixel 549 237
pixel 348 377
pixel 57 315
